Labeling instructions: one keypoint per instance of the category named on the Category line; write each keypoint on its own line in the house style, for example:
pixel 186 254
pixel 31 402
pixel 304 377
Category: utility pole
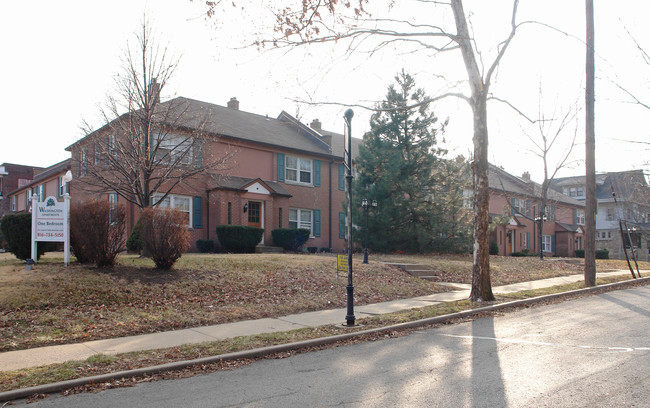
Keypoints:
pixel 590 154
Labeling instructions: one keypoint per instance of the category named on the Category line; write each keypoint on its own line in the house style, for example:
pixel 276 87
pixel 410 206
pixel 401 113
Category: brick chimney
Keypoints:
pixel 526 176
pixel 316 125
pixel 233 103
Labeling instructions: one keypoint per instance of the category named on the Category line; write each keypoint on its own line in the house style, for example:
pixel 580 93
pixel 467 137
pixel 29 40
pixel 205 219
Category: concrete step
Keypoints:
pixel 421 272
pixel 265 249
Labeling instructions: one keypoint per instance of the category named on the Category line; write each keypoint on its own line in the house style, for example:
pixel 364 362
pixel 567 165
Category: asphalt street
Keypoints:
pixel 587 352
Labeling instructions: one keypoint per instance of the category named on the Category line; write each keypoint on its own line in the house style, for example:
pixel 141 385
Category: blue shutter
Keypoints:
pixel 198 153
pixel 512 207
pixel 575 216
pixel 341 176
pixel 316 173
pixel 342 225
pixel 197 212
pixel 58 186
pixel 317 223
pixel 280 166
pixel 528 208
pixel 553 243
pixel 528 240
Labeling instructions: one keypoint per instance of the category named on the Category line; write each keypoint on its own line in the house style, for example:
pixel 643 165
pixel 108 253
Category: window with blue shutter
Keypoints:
pixel 197 212
pixel 342 225
pixel 316 173
pixel 341 176
pixel 528 240
pixel 552 243
pixel 280 166
pixel 317 223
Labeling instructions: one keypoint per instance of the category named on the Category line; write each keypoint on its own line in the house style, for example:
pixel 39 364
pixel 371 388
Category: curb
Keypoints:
pixel 261 352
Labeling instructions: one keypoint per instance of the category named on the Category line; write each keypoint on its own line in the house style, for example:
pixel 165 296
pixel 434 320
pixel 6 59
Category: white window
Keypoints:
pixel 519 205
pixel 298 170
pixel 610 214
pixel 181 203
pixel 13 203
pixel 524 241
pixel 549 211
pixel 572 192
pixel 546 243
pixel 580 217
pixel 83 163
pixel 112 217
pixel 468 199
pixel 173 149
pixel 580 192
pixel 300 218
pixel 63 187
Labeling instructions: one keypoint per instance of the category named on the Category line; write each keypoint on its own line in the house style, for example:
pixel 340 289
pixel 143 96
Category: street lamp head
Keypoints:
pixel 364 203
pixel 374 203
pixel 349 114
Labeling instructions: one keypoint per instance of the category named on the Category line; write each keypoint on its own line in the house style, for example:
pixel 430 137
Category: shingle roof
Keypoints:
pixel 224 182
pixel 501 180
pixel 624 183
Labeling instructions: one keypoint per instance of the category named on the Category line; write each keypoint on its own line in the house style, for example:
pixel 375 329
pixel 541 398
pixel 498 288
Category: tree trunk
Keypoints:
pixel 481 285
pixel 590 153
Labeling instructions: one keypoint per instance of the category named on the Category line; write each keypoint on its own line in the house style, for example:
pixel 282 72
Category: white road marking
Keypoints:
pixel 542 343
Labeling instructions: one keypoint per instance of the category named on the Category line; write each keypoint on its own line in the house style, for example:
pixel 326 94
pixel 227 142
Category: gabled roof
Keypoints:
pixel 569 227
pixel 234 183
pixel 501 180
pixel 285 131
pixel 624 183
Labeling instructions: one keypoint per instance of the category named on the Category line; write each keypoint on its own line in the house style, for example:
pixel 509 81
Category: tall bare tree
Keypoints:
pixel 317 21
pixel 145 146
pixel 549 132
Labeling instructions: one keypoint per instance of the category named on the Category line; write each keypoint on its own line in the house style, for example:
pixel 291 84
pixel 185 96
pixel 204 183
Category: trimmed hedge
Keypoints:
pixel 580 253
pixel 134 243
pixel 602 254
pixel 239 238
pixel 17 231
pixel 494 248
pixel 291 239
pixel 205 245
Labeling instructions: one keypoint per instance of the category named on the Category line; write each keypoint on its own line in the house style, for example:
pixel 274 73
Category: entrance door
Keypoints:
pixel 255 214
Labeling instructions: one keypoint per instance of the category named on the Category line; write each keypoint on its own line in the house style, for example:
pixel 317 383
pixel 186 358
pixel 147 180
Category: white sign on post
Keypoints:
pixel 50 223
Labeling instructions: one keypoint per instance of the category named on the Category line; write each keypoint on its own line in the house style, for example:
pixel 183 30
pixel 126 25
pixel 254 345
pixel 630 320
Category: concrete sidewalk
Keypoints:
pixel 14 360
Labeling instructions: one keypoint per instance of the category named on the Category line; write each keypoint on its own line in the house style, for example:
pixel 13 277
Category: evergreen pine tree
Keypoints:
pixel 399 165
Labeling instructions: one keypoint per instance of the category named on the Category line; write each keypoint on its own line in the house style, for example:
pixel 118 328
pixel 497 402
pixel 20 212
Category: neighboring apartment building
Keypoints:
pixel 632 207
pixel 516 201
pixel 48 182
pixel 282 173
pixel 13 176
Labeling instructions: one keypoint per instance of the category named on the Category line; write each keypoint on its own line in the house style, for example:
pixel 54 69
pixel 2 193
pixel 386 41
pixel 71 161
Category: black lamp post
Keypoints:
pixel 366 207
pixel 347 160
pixel 539 220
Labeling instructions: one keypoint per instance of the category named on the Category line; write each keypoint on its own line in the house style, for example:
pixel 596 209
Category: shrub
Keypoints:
pixel 134 243
pixel 205 245
pixel 494 248
pixel 17 231
pixel 580 253
pixel 291 239
pixel 239 238
pixel 312 249
pixel 164 235
pixel 518 254
pixel 602 253
pixel 326 250
pixel 97 231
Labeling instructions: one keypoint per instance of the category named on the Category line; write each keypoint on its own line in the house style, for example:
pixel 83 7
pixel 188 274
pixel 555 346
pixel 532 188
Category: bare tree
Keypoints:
pixel 145 146
pixel 317 21
pixel 548 135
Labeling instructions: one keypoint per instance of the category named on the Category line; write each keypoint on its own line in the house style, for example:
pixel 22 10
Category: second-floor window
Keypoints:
pixel 468 199
pixel 83 163
pixel 298 170
pixel 519 205
pixel 610 214
pixel 173 149
pixel 580 217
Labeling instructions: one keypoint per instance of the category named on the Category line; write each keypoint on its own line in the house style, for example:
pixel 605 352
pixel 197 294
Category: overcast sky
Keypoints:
pixel 59 59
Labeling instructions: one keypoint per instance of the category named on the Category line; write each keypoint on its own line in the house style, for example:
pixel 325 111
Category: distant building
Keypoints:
pixel 632 208
pixel 13 176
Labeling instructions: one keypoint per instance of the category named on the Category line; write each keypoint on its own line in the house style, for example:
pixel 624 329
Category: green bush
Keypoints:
pixel 326 250
pixel 165 235
pixel 134 243
pixel 518 254
pixel 312 249
pixel 602 253
pixel 239 238
pixel 494 248
pixel 580 253
pixel 291 239
pixel 97 230
pixel 17 231
pixel 205 245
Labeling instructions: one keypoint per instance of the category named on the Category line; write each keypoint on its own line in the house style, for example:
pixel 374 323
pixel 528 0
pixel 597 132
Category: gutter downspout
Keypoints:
pixel 207 209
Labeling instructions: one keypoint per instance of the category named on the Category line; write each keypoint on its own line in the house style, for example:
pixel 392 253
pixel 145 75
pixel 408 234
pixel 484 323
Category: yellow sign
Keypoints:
pixel 342 263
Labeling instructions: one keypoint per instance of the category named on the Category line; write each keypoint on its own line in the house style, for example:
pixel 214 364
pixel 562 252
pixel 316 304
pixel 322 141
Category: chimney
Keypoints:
pixel 526 176
pixel 233 103
pixel 316 125
pixel 154 89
